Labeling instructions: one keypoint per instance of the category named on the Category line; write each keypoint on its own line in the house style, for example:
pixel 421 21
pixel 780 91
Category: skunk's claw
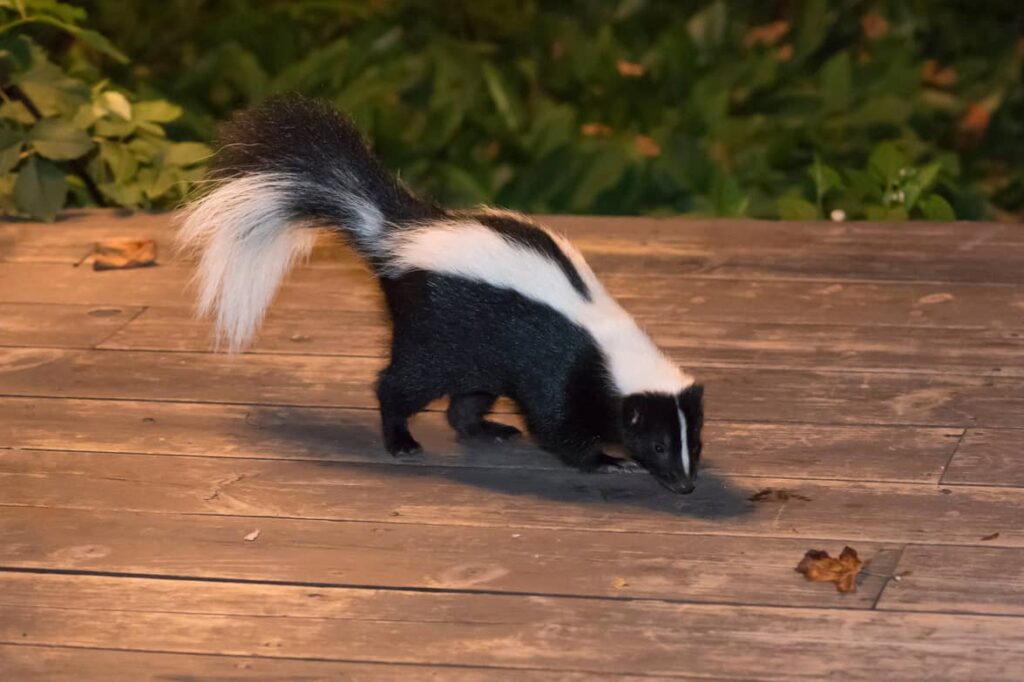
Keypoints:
pixel 402 444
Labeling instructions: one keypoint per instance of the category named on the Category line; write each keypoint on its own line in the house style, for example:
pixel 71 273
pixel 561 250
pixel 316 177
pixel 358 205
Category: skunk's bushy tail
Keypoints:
pixel 284 167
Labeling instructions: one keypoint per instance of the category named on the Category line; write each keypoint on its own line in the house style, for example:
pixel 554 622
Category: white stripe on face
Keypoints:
pixel 685 454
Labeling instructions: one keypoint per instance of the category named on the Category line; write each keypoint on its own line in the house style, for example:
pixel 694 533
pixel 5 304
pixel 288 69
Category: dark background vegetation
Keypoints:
pixel 883 109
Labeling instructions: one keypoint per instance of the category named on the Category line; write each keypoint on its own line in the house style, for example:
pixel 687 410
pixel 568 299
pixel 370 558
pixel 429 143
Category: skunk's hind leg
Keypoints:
pixel 399 400
pixel 466 415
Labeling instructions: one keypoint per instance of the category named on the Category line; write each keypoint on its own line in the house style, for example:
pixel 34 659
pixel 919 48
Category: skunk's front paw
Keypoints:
pixel 492 431
pixel 401 443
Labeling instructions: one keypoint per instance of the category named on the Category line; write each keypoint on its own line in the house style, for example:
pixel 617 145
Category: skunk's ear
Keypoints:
pixel 631 414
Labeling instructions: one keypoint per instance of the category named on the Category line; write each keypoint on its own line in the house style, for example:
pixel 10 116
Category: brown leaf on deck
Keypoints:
pixel 121 254
pixel 818 566
pixel 993 536
pixel 251 537
pixel 620 583
pixel 777 495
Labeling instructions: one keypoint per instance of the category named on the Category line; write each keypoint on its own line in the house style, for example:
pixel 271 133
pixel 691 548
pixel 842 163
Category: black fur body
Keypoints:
pixel 460 338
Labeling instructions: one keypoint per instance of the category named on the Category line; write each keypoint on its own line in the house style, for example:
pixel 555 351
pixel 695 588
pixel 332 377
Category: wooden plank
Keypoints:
pixel 734 393
pixel 989 456
pixel 523 499
pixel 696 568
pixel 73 237
pixel 366 333
pixel 958 252
pixel 738 249
pixel 357 333
pixel 65 664
pixel 688 298
pixel 958 579
pixel 61 326
pixel 578 635
pixel 884 453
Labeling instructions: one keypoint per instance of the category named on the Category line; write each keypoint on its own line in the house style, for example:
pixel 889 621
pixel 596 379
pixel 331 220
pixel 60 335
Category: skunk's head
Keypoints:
pixel 662 433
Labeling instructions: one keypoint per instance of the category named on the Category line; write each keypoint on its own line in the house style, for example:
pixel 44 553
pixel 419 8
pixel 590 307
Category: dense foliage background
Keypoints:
pixel 798 108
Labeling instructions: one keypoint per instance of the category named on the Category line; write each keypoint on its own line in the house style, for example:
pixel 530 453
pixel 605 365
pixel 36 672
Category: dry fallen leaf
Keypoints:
pixel 818 566
pixel 629 69
pixel 121 254
pixel 777 495
pixel 993 536
pixel 766 34
pixel 620 583
pixel 251 537
pixel 646 146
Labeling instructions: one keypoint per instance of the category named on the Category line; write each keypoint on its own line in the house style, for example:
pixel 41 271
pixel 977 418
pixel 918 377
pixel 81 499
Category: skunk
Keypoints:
pixel 483 303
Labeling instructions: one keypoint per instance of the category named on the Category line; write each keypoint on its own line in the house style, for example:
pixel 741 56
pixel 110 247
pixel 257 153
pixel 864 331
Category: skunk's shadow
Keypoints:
pixel 345 438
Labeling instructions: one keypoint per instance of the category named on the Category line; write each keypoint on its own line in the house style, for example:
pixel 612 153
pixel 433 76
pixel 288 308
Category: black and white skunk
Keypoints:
pixel 483 303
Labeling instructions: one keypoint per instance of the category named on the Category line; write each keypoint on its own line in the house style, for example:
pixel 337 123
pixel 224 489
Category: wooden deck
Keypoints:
pixel 874 371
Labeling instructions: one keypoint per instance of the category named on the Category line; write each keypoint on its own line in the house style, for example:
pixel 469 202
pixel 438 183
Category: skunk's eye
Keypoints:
pixel 659 448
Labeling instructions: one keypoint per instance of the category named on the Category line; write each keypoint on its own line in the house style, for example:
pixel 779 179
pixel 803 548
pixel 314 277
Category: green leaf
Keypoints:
pixel 796 208
pixel 114 128
pixel 52 91
pixel 837 82
pixel 59 140
pixel 824 178
pixel 18 49
pixel 934 207
pixel 16 111
pixel 163 182
pixel 40 189
pixel 726 196
pixel 117 104
pixel 927 175
pixel 186 153
pixel 875 212
pixel 707 27
pixel 813 27
pixel 157 111
pixel 91 38
pixel 864 183
pixel 602 173
pixel 11 143
pixel 58 10
pixel 500 95
pixel 886 162
pixel 119 159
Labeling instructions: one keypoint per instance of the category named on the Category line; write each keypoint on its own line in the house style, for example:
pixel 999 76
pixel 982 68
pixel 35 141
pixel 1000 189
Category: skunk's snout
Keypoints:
pixel 680 486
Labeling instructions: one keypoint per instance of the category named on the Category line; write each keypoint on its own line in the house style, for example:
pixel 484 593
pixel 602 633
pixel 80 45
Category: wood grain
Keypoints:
pixel 755 394
pixel 955 252
pixel 524 499
pixel 989 457
pixel 66 664
pixel 703 299
pixel 695 568
pixel 366 333
pixel 959 579
pixel 846 365
pixel 61 326
pixel 882 453
pixel 577 635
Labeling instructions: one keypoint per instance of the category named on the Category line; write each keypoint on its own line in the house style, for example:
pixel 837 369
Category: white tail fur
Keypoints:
pixel 246 242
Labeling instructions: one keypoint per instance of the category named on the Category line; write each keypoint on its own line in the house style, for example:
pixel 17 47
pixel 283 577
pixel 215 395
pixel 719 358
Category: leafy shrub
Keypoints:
pixel 718 107
pixel 58 132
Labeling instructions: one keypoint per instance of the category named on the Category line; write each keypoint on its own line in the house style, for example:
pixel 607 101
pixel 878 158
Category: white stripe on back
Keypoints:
pixel 685 453
pixel 469 249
